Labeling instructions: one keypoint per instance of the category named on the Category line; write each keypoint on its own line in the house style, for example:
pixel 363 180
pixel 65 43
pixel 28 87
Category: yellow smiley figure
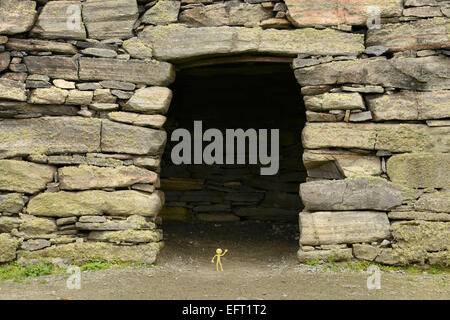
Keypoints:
pixel 218 255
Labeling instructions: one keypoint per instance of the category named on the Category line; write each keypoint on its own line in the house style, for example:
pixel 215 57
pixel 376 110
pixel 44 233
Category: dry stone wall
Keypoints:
pixel 83 93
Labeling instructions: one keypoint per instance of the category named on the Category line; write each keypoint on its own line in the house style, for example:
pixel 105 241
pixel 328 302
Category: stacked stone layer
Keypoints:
pixel 83 93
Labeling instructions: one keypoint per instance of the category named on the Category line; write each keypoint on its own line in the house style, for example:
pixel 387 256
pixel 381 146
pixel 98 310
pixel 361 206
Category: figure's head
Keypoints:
pixel 219 251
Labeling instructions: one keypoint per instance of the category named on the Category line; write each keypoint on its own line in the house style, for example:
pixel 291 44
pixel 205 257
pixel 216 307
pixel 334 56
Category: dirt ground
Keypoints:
pixel 261 264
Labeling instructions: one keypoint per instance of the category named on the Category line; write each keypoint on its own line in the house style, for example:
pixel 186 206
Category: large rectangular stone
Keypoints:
pixel 357 193
pixel 12 90
pixel 26 177
pixel 304 13
pixel 53 66
pixel 420 170
pixel 90 177
pixel 49 135
pixel 151 73
pixel 343 227
pixel 60 20
pixel 177 42
pixel 410 105
pixel 371 136
pixel 428 73
pixel 107 19
pixel 436 202
pixel 123 138
pixel 424 34
pixel 16 16
pixel 96 202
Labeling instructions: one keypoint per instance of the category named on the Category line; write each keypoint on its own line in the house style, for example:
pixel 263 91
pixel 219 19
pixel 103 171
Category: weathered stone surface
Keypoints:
pixel 163 12
pixel 436 201
pixel 388 137
pixel 414 239
pixel 37 226
pixel 365 251
pixel 356 193
pixel 60 20
pixel 177 42
pixel 12 202
pixel 229 13
pixel 154 121
pixel 351 163
pixel 78 97
pixel 151 73
pixel 410 105
pixel 88 251
pixel 16 16
pixel 33 45
pixel 123 138
pixel 35 244
pixel 334 101
pixel 360 116
pixel 49 135
pixel 10 109
pixel 416 35
pixel 343 227
pixel 325 255
pixel 127 236
pixel 53 66
pixel 52 95
pixel 118 203
pixel 5 58
pixel 419 215
pixel 100 223
pixel 110 18
pixel 90 177
pixel 303 13
pixel 8 247
pixel 427 73
pixel 99 52
pixel 138 49
pixel 112 84
pixel 423 12
pixel 22 176
pixel 7 224
pixel 12 90
pixel 150 100
pixel 66 221
pixel 426 170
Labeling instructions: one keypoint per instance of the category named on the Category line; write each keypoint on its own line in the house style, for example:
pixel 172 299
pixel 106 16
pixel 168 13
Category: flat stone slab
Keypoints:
pixel 374 136
pixel 152 73
pixel 12 90
pixel 8 247
pixel 357 193
pixel 410 105
pixel 26 177
pixel 436 201
pixel 32 45
pixel 110 18
pixel 423 34
pixel 17 16
pixel 86 177
pixel 126 236
pixel 304 13
pixel 418 170
pixel 177 42
pixel 49 135
pixel 53 66
pixel 325 255
pixel 427 73
pixel 12 202
pixel 124 138
pixel 60 20
pixel 343 227
pixel 117 203
pixel 88 251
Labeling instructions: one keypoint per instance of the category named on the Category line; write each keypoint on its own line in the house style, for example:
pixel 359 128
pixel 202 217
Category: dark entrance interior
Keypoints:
pixel 231 96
